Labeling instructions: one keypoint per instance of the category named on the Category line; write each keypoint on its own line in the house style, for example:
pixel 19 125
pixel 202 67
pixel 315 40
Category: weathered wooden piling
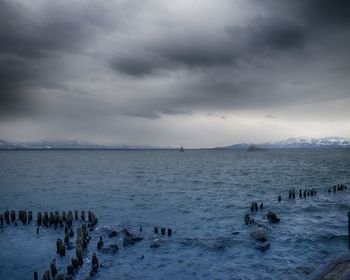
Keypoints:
pixel 293 194
pixel 100 243
pixel 75 263
pixel 7 217
pixel 66 238
pixel 46 275
pixel 70 269
pixel 256 208
pixel 36 276
pixel 279 198
pixel 24 218
pixel 69 218
pixel 46 219
pixel 156 230
pixel 162 231
pixel 39 219
pixel 93 219
pixel 53 268
pixel 76 215
pixel 56 219
pixel 1 220
pixel 51 219
pixel 170 232
pixel 82 215
pixel 13 216
pixel 89 216
pixel 94 263
pixel 64 217
pixel 60 248
pixel 30 216
pixel 349 229
pixel 71 232
pixel 79 253
pixel 300 193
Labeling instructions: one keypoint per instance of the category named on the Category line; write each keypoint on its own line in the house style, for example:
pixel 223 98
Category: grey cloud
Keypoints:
pixel 136 59
pixel 33 44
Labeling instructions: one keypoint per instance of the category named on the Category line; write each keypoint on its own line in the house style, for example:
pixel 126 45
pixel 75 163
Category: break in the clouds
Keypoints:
pixel 173 72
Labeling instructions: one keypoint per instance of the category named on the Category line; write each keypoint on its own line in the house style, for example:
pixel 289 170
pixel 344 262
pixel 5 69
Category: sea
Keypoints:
pixel 202 195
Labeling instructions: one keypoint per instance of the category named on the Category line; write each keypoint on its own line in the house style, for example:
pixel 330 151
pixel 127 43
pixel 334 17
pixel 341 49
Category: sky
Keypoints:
pixel 197 73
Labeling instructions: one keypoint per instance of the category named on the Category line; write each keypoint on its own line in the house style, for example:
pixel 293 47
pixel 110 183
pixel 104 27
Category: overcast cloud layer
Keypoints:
pixel 193 73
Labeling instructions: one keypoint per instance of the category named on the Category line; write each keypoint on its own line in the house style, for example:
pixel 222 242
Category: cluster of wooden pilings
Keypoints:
pixel 338 187
pixel 303 193
pixel 163 230
pixel 48 219
pixel 292 195
pixel 55 219
pixel 10 217
pixel 81 243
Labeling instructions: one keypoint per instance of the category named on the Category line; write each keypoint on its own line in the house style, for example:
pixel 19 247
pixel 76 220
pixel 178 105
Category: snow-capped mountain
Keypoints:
pixel 297 143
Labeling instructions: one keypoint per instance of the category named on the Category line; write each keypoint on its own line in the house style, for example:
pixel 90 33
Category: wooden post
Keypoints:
pixel 349 229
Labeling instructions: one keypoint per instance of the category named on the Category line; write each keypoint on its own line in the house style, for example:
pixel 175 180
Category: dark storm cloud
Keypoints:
pixel 32 44
pixel 267 59
pixel 254 64
pixel 288 26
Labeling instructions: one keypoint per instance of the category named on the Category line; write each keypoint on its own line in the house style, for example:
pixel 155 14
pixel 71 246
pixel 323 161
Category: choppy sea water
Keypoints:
pixel 201 195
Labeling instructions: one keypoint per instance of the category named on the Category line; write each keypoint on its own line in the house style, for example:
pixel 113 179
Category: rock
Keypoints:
pixel 155 245
pixel 111 249
pixel 272 217
pixel 263 246
pixel 112 233
pixel 106 264
pixel 335 268
pixel 133 236
pixel 127 241
pixel 260 234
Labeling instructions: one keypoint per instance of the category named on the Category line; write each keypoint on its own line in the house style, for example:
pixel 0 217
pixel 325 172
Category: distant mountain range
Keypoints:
pixel 294 143
pixel 290 143
pixel 67 145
